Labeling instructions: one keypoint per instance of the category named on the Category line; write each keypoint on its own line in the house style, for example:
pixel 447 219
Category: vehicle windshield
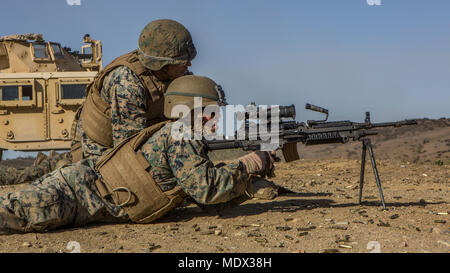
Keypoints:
pixel 40 51
pixel 57 51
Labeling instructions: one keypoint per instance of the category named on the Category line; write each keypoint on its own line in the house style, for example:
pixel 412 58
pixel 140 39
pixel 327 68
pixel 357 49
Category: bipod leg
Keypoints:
pixel 363 167
pixel 375 170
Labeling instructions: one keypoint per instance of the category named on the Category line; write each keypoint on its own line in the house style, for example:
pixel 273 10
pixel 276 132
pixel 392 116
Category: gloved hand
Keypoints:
pixel 258 162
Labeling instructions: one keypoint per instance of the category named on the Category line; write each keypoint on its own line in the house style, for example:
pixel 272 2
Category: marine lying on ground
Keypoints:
pixel 144 177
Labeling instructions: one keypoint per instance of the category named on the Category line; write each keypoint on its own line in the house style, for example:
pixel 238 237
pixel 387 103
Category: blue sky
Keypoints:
pixel 392 60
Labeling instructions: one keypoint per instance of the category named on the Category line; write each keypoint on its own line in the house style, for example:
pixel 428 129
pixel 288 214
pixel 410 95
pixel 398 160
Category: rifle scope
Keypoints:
pixel 287 111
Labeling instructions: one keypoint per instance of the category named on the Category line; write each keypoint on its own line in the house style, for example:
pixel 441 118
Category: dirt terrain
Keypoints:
pixel 19 162
pixel 320 214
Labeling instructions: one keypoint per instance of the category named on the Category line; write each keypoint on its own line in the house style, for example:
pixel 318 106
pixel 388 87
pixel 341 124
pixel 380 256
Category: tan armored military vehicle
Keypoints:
pixel 41 87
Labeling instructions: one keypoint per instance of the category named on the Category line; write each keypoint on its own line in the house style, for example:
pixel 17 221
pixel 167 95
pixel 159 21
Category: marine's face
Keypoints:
pixel 176 70
pixel 207 118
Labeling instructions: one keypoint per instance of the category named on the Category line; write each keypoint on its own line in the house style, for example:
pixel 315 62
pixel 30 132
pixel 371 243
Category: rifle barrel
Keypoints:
pixel 395 124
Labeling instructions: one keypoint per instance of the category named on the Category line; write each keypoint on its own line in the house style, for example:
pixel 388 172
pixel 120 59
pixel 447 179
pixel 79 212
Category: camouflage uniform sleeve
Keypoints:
pixel 198 177
pixel 8 175
pixel 127 97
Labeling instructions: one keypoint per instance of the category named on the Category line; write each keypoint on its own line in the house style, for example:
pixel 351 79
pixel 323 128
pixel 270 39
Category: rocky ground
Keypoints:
pixel 320 214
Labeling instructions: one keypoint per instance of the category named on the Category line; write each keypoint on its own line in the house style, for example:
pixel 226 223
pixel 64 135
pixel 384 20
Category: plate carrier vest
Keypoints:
pixel 125 178
pixel 96 113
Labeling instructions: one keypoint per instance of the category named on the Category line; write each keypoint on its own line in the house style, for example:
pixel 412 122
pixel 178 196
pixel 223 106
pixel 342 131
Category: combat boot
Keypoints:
pixel 264 189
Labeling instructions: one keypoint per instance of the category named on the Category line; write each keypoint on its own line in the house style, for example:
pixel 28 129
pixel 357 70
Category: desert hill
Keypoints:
pixel 428 141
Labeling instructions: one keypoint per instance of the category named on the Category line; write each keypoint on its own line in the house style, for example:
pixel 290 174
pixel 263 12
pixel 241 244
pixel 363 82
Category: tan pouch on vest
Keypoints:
pixel 125 177
pixel 96 120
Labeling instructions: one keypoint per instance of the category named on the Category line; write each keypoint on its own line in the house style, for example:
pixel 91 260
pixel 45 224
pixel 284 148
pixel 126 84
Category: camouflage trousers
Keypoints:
pixel 65 197
pixel 41 166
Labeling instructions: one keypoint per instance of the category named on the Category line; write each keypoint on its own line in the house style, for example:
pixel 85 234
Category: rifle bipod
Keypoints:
pixel 367 145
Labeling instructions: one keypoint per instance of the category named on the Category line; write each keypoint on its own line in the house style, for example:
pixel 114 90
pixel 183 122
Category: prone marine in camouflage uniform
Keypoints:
pixel 141 179
pixel 125 97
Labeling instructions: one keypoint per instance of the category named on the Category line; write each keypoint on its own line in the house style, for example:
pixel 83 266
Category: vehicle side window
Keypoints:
pixel 73 91
pixel 27 92
pixel 14 92
pixel 9 93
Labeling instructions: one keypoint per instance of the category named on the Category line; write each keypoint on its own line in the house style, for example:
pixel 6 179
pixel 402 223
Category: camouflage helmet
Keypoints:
pixel 164 42
pixel 183 90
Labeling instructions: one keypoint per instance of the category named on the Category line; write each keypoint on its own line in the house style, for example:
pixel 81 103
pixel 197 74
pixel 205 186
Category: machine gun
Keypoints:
pixel 314 132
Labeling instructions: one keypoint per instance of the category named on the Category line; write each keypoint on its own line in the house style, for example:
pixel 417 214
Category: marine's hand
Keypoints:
pixel 257 162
